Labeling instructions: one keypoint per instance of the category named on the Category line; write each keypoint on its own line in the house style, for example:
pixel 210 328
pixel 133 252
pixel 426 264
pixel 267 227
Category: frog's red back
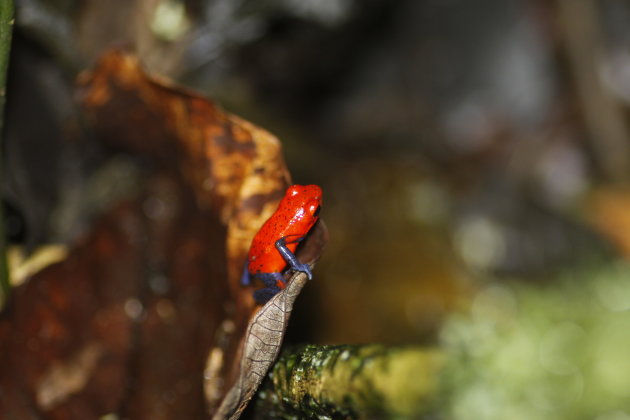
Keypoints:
pixel 296 214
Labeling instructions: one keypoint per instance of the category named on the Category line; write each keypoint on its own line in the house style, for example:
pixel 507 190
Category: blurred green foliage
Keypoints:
pixel 558 351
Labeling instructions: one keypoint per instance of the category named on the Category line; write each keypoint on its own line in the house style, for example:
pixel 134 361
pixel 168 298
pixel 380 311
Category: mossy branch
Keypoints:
pixel 367 381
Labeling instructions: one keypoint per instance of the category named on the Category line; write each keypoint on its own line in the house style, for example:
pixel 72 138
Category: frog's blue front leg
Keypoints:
pixel 290 258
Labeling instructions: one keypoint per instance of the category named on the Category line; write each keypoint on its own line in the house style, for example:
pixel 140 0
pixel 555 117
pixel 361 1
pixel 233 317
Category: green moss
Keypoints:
pixel 351 382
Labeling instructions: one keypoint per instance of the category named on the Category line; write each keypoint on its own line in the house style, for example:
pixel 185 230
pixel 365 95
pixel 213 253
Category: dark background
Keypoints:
pixel 457 142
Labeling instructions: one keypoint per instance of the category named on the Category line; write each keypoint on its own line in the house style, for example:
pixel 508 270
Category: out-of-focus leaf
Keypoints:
pixel 609 213
pixel 21 268
pixel 146 317
pixel 233 168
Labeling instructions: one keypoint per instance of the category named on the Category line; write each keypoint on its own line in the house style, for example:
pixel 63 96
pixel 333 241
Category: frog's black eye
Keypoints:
pixel 316 214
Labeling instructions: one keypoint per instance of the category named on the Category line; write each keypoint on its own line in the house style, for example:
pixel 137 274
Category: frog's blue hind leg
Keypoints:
pixel 262 296
pixel 290 258
pixel 270 280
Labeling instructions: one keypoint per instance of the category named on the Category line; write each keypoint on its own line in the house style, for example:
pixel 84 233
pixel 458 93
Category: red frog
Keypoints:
pixel 273 247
